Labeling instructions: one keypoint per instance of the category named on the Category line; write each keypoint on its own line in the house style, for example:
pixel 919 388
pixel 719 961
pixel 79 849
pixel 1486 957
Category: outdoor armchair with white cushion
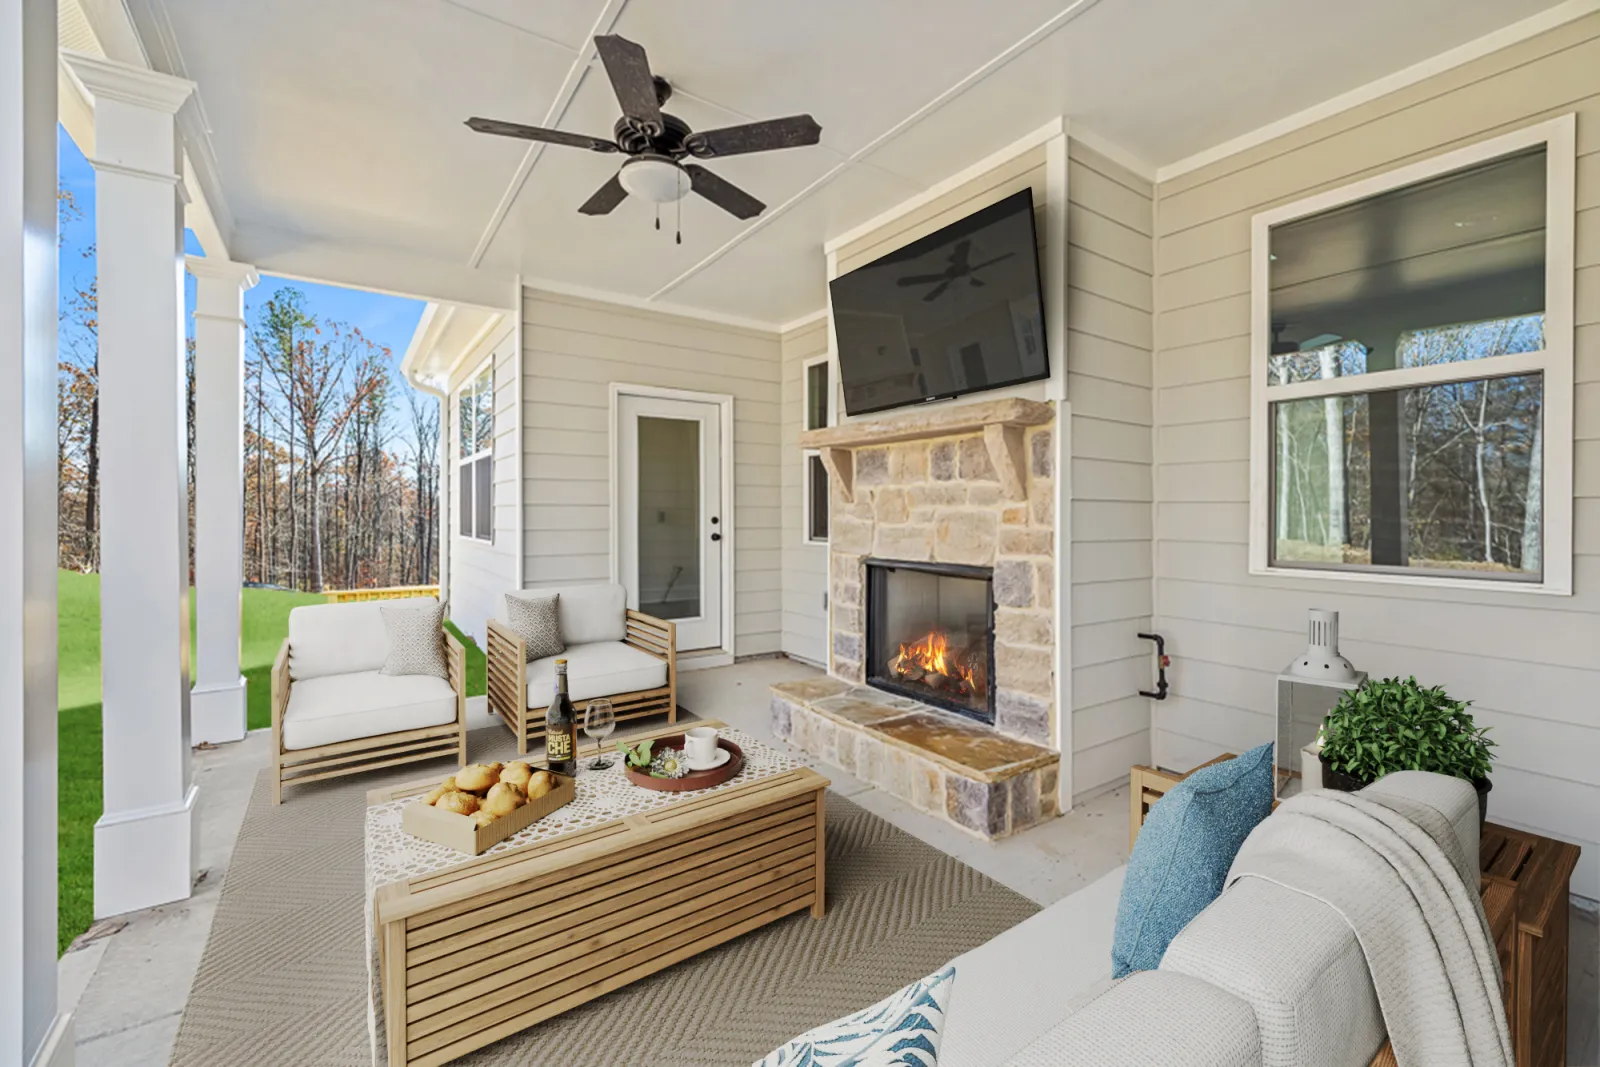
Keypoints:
pixel 612 651
pixel 333 710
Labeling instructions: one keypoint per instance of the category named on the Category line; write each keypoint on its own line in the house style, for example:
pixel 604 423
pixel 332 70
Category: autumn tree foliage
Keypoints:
pixel 341 480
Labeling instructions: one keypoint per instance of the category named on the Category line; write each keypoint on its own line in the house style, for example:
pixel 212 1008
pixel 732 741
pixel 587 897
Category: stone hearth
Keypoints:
pixel 939 763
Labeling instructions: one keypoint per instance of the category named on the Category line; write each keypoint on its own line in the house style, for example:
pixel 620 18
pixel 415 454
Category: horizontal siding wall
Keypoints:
pixel 1530 663
pixel 805 565
pixel 482 571
pixel 573 349
pixel 1110 299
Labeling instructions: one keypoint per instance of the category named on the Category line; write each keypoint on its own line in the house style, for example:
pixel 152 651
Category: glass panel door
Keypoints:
pixel 669 517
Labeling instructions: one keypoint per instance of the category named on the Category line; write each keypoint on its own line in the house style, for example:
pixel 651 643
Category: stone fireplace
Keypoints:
pixel 941 612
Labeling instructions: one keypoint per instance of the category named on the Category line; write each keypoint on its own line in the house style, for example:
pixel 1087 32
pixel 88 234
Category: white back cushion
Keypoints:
pixel 327 639
pixel 588 613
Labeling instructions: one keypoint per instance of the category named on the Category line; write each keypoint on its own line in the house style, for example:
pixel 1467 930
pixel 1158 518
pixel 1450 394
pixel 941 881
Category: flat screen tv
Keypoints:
pixel 955 312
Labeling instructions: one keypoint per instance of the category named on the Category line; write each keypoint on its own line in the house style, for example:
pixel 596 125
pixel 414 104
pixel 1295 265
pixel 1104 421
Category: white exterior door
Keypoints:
pixel 670 526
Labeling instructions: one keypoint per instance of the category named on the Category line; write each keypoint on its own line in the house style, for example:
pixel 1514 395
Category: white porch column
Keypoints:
pixel 146 843
pixel 217 702
pixel 31 1032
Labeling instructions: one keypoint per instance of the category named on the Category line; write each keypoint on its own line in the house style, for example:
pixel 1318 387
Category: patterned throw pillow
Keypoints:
pixel 416 640
pixel 900 1031
pixel 537 622
pixel 1183 853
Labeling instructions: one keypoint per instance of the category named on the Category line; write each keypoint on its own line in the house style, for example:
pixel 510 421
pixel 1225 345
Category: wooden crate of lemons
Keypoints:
pixel 482 804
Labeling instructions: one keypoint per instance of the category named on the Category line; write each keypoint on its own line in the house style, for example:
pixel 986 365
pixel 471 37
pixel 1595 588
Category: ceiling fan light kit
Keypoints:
pixel 655 178
pixel 656 143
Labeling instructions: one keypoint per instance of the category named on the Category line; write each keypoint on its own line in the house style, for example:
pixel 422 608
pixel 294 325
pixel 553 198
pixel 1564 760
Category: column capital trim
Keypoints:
pixel 175 180
pixel 224 270
pixel 106 79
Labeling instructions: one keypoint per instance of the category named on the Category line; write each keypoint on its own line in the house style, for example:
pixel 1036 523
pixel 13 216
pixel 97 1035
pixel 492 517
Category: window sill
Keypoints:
pixel 1548 587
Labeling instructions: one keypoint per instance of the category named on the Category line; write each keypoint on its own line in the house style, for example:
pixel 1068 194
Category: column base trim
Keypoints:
pixel 147 857
pixel 58 1046
pixel 218 713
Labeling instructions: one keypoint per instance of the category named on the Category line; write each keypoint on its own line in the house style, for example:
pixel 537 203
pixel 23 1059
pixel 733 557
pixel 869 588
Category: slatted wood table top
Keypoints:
pixel 478 950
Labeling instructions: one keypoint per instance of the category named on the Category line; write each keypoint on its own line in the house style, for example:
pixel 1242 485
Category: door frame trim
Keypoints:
pixel 724 402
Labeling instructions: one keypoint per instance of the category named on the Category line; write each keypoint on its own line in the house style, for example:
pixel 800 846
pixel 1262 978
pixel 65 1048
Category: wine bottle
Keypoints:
pixel 561 728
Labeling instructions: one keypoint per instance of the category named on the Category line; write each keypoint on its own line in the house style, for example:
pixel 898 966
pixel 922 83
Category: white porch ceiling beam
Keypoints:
pixel 146 843
pixel 384 270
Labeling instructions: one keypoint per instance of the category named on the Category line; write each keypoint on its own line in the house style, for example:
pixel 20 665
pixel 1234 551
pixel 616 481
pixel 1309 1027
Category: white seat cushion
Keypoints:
pixel 1150 1018
pixel 343 707
pixel 328 639
pixel 588 613
pixel 602 669
pixel 1019 984
pixel 1297 963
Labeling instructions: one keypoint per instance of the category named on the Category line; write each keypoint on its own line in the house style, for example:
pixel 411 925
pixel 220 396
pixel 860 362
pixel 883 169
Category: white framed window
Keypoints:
pixel 819 398
pixel 1411 372
pixel 475 455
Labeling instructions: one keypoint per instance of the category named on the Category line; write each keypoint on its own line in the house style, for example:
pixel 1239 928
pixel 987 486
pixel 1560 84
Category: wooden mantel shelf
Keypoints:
pixel 1001 422
pixel 938 422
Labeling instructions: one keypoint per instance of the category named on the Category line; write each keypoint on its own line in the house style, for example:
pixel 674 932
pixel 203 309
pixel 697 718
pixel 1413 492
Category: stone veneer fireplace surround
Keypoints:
pixel 965 487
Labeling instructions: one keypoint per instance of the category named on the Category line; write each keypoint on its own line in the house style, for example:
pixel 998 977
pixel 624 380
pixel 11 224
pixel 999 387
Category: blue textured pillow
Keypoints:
pixel 1183 854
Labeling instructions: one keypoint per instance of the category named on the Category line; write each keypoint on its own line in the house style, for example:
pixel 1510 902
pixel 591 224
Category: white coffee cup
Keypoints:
pixel 700 745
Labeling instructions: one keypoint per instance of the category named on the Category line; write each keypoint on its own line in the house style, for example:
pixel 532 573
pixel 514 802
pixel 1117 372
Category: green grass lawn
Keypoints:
pixel 265 624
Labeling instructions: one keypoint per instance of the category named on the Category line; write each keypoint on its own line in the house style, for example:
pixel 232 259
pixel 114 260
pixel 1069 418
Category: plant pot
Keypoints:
pixel 1335 779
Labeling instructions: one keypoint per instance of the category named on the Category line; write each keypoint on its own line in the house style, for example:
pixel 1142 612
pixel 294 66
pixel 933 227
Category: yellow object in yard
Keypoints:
pixel 393 592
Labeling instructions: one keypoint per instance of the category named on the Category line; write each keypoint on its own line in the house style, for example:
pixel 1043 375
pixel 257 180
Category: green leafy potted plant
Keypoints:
pixel 1394 725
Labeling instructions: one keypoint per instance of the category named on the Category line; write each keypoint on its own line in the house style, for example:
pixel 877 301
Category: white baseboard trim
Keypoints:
pixel 218 713
pixel 57 1049
pixel 147 857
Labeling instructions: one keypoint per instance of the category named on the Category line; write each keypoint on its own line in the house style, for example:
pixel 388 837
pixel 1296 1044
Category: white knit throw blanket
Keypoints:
pixel 1396 873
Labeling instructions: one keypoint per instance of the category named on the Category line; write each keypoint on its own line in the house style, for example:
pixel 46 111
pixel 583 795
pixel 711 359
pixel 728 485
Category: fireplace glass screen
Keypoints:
pixel 930 634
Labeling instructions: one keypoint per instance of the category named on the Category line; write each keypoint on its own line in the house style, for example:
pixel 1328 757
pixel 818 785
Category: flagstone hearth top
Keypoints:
pixel 963 747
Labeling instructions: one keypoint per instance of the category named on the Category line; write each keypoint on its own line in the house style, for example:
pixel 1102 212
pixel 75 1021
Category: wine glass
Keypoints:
pixel 599 720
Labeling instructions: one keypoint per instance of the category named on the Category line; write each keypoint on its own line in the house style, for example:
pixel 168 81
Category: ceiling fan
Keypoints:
pixel 957 267
pixel 656 142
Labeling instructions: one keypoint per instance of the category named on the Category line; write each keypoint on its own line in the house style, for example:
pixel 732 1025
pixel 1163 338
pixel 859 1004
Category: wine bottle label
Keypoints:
pixel 558 746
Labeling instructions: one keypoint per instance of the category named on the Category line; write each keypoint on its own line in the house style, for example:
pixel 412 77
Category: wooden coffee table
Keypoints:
pixel 479 951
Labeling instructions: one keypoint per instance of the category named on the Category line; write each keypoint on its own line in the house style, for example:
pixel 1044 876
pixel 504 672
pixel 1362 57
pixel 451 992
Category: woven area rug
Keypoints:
pixel 283 979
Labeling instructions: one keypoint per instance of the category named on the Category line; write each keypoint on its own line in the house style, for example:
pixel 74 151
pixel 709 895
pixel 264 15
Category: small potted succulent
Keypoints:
pixel 1394 725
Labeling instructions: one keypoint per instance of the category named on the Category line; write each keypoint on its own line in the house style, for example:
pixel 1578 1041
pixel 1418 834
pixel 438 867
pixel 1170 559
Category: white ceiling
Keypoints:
pixel 340 123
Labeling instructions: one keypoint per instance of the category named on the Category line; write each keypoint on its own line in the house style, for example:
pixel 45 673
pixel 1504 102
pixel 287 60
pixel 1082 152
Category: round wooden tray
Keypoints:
pixel 694 779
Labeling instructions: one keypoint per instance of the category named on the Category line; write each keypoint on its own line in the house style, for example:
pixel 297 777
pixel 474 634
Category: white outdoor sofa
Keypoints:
pixel 334 713
pixel 1263 976
pixel 612 651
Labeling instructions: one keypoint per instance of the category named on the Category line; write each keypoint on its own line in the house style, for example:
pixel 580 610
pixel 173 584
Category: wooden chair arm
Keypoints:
pixel 455 655
pixel 659 637
pixel 280 685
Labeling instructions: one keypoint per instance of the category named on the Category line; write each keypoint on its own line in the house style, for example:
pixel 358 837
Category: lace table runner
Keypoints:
pixel 392 855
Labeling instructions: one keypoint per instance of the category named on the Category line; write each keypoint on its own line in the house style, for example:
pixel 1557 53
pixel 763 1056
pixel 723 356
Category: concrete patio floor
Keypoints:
pixel 128 988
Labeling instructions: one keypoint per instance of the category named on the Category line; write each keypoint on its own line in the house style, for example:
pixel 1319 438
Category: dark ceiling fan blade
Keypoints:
pixel 605 198
pixel 729 197
pixel 977 283
pixel 989 262
pixel 919 279
pixel 936 292
pixel 629 70
pixel 791 132
pixel 539 133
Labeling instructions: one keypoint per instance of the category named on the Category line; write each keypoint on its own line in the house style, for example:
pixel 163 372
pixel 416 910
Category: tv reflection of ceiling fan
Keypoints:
pixel 956 268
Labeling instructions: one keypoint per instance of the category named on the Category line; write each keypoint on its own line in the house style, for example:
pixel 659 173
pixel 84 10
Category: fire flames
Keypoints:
pixel 932 662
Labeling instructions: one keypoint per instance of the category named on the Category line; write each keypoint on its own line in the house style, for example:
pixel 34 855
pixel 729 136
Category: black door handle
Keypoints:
pixel 716 537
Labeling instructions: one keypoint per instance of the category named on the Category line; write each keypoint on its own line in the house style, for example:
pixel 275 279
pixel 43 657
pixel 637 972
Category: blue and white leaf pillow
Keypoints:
pixel 900 1031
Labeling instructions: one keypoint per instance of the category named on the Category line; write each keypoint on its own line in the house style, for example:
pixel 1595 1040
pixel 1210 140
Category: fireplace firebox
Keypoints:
pixel 930 634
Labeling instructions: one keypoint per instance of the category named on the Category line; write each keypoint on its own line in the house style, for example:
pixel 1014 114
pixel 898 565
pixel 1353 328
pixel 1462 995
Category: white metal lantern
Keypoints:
pixel 1308 689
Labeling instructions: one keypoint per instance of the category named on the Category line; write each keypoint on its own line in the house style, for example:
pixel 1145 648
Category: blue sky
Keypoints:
pixel 386 320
